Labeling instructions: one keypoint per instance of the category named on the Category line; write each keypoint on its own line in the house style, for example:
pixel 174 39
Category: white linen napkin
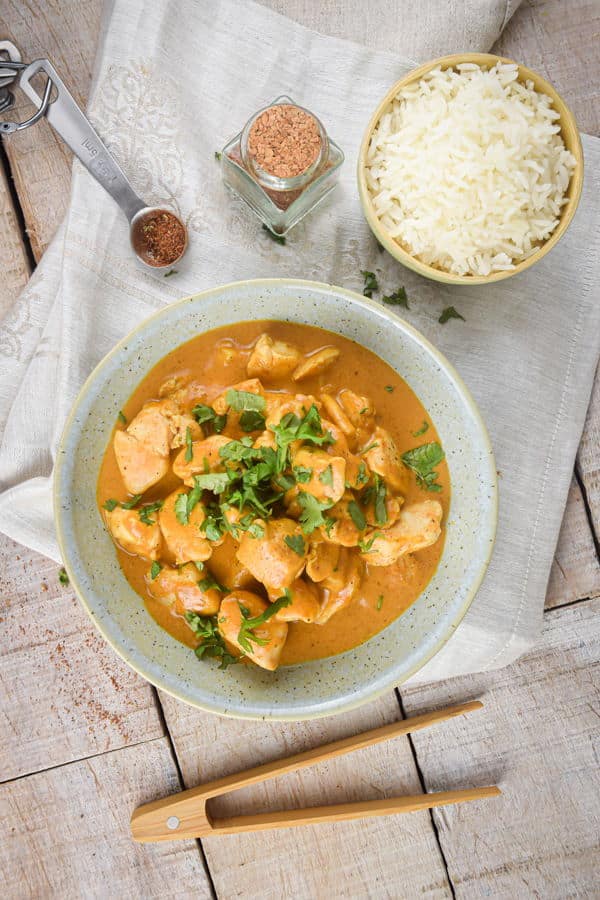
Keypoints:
pixel 170 89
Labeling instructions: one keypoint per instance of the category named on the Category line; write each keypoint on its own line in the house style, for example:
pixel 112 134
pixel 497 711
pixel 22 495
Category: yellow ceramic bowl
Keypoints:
pixel 570 136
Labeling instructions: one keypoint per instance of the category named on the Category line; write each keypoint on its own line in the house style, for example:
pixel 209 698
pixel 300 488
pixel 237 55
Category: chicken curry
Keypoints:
pixel 276 493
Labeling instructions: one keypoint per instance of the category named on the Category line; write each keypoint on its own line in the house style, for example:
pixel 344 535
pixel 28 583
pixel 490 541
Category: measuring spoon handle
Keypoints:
pixel 71 124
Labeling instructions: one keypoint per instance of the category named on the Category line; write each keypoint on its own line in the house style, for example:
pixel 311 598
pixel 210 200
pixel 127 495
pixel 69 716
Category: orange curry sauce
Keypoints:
pixel 386 592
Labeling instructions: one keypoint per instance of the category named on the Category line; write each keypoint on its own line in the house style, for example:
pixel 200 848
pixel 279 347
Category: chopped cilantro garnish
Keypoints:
pixel 371 283
pixel 189 448
pixel 302 474
pixel 212 644
pixel 240 400
pixel 144 511
pixel 311 516
pixel 133 501
pixel 422 460
pixel 110 504
pixel 379 602
pixel 155 569
pixel 169 273
pixel 206 415
pixel 296 543
pixel 62 576
pixel 389 388
pixel 246 636
pixel 208 583
pixel 217 156
pixel 397 298
pixel 357 515
pixel 422 430
pixel 213 481
pixel 362 476
pixel 252 420
pixel 366 545
pixel 326 476
pixel 450 313
pixel 121 417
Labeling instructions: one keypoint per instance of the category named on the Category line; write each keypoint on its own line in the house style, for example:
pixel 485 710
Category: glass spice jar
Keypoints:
pixel 281 164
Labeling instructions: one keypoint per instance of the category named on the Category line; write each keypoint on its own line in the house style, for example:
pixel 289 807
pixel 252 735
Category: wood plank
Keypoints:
pixel 561 42
pixel 14 264
pixel 537 737
pixel 67 33
pixel 588 457
pixel 66 831
pixel 575 571
pixel 64 693
pixel 376 857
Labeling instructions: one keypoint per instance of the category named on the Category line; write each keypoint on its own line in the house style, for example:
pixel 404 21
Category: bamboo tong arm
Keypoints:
pixel 341 812
pixel 184 814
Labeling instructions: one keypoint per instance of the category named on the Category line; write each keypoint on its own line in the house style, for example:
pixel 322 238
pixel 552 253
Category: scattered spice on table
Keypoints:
pixel 160 238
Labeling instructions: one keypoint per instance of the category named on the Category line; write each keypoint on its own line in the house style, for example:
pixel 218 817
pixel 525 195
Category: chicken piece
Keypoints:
pixel 327 475
pixel 205 458
pixel 251 386
pixel 339 589
pixel 418 526
pixel 359 410
pixel 272 359
pixel 271 636
pixel 270 558
pixel 142 450
pixel 182 588
pixel 266 439
pixel 305 605
pixel 227 568
pixel 316 363
pixel 344 530
pixel 133 535
pixel 337 415
pixel 186 542
pixel 383 457
pixel 322 559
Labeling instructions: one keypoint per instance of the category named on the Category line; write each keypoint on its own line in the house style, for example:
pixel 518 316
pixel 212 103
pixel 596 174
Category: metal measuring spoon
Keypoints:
pixel 71 124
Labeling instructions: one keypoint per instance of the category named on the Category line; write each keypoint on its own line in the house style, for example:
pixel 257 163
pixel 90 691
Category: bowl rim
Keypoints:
pixel 393 681
pixel 575 185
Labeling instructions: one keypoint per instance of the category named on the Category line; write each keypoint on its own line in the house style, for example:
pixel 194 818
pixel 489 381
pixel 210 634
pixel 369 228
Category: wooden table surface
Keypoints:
pixel 83 740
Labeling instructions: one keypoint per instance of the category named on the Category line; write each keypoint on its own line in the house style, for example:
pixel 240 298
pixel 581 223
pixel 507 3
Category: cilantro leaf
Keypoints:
pixel 212 644
pixel 379 602
pixel 397 298
pixel 422 460
pixel 182 512
pixel 362 476
pixel 212 481
pixel 357 515
pixel 366 545
pixel 450 313
pixel 206 415
pixel 155 569
pixel 389 388
pixel 302 474
pixel 311 516
pixel 189 449
pixel 144 511
pixel 371 283
pixel 422 430
pixel 252 420
pixel 121 417
pixel 246 634
pixel 62 576
pixel 240 400
pixel 296 543
pixel 133 501
pixel 110 504
pixel 326 476
pixel 209 583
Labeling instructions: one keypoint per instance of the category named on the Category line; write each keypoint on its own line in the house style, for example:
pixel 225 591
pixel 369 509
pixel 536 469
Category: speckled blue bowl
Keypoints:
pixel 325 686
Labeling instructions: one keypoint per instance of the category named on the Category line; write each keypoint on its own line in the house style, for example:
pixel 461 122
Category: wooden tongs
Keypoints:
pixel 185 815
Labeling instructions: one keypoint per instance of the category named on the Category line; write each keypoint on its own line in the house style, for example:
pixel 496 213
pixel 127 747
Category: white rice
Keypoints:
pixel 467 170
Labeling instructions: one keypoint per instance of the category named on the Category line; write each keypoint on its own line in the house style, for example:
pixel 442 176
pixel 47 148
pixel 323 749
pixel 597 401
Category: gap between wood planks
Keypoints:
pixel 17 208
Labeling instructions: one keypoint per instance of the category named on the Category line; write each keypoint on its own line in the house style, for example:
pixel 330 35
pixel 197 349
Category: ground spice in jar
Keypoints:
pixel 284 140
pixel 160 238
